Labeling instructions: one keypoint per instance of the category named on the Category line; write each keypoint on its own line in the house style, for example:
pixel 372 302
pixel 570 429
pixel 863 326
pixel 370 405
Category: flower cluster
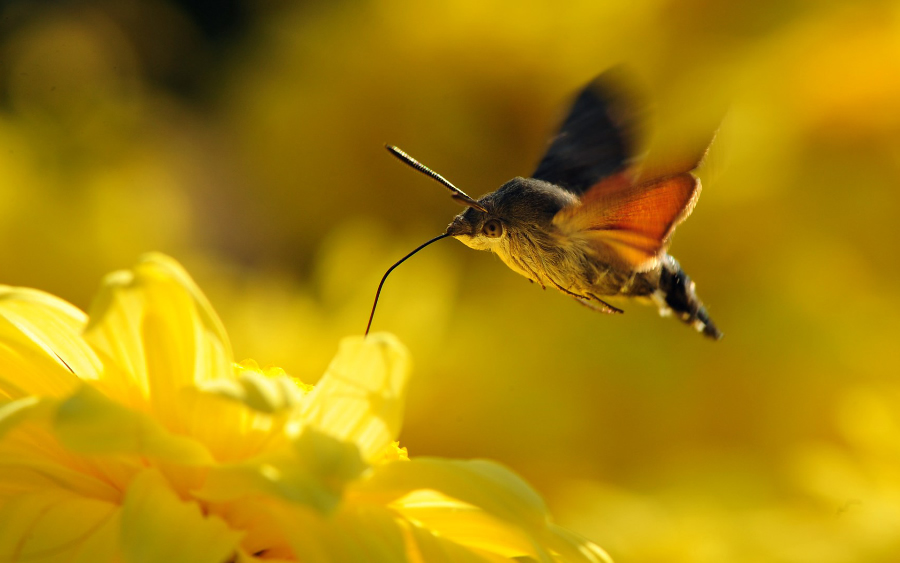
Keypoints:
pixel 131 435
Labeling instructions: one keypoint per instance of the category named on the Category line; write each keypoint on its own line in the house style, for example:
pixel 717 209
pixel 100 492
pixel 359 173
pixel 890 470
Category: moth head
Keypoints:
pixel 520 206
pixel 481 230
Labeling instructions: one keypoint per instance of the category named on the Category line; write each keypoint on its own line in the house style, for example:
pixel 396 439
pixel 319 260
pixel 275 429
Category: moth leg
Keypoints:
pixel 596 307
pixel 534 276
pixel 600 305
pixel 592 302
pixel 564 290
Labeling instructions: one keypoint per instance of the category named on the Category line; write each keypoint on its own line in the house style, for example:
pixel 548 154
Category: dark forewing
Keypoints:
pixel 597 138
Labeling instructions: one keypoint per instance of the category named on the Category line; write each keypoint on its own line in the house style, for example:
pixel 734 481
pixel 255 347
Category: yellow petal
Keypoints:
pixel 157 526
pixel 516 521
pixel 360 397
pixel 572 547
pixel 32 472
pixel 57 526
pixel 262 533
pixel 483 484
pixel 41 348
pixel 392 452
pixel 484 533
pixel 369 534
pixel 245 557
pixel 259 391
pixel 423 544
pixel 313 472
pixel 237 418
pixel 464 523
pixel 14 412
pixel 88 422
pixel 155 326
pixel 32 459
pixel 228 429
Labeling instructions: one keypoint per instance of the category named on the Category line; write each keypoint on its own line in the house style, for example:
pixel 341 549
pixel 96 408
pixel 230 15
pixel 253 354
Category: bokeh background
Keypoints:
pixel 245 139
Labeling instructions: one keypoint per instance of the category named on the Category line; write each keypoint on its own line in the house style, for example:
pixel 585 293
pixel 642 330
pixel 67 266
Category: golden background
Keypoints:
pixel 245 139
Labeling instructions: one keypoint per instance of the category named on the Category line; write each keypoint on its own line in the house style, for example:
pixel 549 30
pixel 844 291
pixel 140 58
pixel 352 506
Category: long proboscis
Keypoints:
pixel 391 269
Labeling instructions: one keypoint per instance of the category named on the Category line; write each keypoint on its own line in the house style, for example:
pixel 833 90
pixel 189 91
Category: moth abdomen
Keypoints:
pixel 676 294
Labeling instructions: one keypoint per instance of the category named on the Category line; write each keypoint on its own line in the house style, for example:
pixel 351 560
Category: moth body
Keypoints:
pixel 529 241
pixel 595 218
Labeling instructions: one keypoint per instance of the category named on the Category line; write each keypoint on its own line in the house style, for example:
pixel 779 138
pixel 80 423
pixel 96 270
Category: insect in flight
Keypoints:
pixel 594 220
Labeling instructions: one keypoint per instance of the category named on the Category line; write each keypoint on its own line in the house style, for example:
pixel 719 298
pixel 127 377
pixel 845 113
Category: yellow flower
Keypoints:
pixel 132 436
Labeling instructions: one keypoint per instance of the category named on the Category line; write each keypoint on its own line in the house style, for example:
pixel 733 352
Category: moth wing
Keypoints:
pixel 671 157
pixel 628 224
pixel 599 136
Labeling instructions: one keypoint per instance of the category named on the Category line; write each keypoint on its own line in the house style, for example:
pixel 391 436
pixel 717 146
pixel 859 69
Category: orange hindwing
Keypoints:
pixel 629 224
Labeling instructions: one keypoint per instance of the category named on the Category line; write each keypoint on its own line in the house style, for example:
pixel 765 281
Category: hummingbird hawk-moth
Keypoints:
pixel 594 220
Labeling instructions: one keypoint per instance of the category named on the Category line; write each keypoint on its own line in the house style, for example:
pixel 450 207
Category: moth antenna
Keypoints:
pixel 391 269
pixel 458 194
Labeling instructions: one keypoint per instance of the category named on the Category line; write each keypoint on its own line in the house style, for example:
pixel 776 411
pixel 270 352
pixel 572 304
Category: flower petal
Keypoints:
pixel 32 459
pixel 238 418
pixel 158 329
pixel 262 535
pixel 464 523
pixel 88 422
pixel 313 471
pixel 263 392
pixel 485 534
pixel 572 547
pixel 360 397
pixel 509 503
pixel 357 535
pixel 14 412
pixel 159 526
pixel 423 544
pixel 480 483
pixel 41 347
pixel 371 534
pixel 57 526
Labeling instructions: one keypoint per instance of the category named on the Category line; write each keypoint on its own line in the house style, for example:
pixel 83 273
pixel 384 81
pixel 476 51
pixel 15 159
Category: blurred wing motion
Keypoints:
pixel 599 136
pixel 628 224
pixel 628 209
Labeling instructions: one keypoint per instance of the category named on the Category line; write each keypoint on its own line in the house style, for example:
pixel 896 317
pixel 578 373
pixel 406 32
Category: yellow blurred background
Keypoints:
pixel 245 139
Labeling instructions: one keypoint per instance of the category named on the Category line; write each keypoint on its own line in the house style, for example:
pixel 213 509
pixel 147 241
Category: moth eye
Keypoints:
pixel 492 228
